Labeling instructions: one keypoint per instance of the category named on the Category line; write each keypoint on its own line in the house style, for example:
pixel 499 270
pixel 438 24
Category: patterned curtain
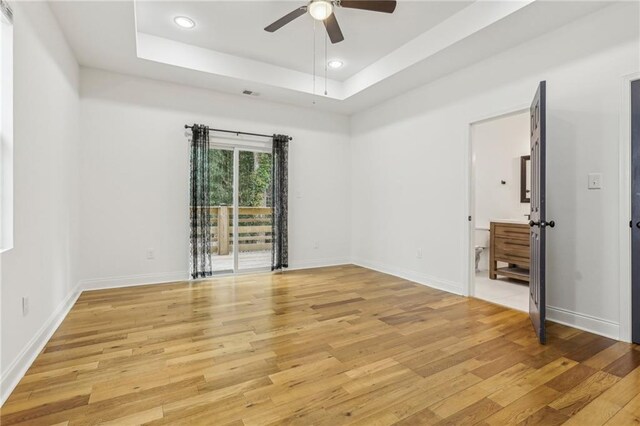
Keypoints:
pixel 280 197
pixel 200 217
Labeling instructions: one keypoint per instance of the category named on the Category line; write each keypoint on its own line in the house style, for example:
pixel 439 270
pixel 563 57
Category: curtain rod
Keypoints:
pixel 237 133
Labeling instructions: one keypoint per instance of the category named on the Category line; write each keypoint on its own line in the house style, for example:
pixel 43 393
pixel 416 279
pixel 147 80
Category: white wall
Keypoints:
pixel 497 146
pixel 134 190
pixel 6 135
pixel 43 263
pixel 410 165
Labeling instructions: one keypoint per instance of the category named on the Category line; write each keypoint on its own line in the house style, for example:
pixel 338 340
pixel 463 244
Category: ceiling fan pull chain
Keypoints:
pixel 314 57
pixel 326 36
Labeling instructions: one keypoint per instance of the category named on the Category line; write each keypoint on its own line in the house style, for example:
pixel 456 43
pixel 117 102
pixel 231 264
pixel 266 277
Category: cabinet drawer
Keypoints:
pixel 512 232
pixel 512 250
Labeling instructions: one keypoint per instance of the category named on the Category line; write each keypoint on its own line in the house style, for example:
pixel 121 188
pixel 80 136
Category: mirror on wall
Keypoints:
pixel 525 179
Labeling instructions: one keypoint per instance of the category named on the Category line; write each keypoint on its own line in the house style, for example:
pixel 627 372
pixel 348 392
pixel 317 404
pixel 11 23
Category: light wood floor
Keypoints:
pixel 330 346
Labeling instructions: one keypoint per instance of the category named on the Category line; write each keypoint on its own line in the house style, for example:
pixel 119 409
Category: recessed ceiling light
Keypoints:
pixel 335 64
pixel 184 22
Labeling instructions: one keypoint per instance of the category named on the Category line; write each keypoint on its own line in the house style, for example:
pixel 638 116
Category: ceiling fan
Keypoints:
pixel 322 10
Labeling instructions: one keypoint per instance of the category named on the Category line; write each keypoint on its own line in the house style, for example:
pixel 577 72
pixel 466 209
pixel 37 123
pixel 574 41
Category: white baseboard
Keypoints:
pixel 17 369
pixel 417 277
pixel 133 280
pixel 584 322
pixel 317 263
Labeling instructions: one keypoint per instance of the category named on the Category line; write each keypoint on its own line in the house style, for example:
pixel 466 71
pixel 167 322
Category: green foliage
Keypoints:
pixel 254 178
pixel 221 174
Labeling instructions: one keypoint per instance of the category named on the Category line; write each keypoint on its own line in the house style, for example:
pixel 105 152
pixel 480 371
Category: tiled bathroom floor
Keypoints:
pixel 503 291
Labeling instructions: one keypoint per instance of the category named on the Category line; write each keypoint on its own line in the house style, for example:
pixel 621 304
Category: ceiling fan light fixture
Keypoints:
pixel 320 9
pixel 184 22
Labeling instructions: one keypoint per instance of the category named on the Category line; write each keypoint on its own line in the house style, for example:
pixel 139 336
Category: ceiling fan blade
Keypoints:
pixel 386 6
pixel 286 19
pixel 333 29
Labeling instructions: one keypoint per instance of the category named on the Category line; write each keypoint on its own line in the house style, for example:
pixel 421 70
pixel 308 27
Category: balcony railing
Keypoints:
pixel 254 229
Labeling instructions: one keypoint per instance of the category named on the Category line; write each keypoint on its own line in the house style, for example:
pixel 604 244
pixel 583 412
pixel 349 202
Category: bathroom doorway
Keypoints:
pixel 500 207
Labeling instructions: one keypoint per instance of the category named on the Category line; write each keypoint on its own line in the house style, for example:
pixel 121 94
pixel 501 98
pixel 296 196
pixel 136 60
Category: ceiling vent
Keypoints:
pixel 250 93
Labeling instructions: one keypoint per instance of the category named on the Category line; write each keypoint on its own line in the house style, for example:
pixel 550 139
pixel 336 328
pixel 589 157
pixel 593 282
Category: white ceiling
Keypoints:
pixel 229 51
pixel 237 28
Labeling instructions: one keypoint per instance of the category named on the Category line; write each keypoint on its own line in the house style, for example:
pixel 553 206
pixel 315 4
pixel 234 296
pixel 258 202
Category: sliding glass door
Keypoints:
pixel 221 173
pixel 241 208
pixel 254 210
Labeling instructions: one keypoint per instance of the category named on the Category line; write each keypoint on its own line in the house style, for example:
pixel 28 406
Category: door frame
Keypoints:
pixel 469 288
pixel 236 145
pixel 625 207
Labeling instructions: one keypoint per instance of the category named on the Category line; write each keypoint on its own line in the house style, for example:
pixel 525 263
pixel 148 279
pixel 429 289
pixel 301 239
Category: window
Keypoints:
pixel 6 127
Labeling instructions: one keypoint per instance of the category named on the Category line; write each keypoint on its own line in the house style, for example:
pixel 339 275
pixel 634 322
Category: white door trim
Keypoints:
pixel 625 207
pixel 469 247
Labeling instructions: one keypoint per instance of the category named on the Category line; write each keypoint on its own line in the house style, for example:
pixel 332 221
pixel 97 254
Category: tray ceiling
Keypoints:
pixel 228 51
pixel 236 28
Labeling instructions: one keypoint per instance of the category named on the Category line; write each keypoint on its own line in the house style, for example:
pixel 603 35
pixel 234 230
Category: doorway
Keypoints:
pixel 500 207
pixel 241 207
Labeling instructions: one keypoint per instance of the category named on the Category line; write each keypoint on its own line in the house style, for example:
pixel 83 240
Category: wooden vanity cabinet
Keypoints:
pixel 509 244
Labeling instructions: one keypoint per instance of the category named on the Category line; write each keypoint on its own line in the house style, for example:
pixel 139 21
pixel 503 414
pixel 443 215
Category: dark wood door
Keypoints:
pixel 538 222
pixel 635 210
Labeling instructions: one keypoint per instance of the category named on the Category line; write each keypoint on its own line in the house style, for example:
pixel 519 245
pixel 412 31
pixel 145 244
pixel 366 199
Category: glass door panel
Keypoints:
pixel 253 234
pixel 221 163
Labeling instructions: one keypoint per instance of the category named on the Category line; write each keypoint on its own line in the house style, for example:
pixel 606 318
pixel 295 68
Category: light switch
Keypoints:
pixel 595 180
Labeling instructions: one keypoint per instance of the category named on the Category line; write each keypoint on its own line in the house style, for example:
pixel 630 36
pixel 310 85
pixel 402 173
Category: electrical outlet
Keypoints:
pixel 419 253
pixel 595 181
pixel 25 306
pixel 151 254
pixel 316 245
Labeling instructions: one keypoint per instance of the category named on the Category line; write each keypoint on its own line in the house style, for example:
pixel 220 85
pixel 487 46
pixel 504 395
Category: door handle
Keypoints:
pixel 638 225
pixel 550 224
